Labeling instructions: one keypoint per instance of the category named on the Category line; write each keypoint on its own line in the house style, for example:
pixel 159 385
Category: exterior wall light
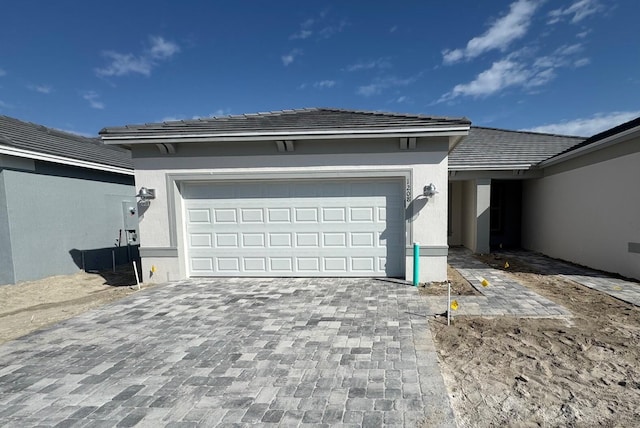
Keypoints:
pixel 146 195
pixel 430 190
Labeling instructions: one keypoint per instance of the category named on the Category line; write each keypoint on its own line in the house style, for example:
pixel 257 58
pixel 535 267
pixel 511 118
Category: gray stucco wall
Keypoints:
pixel 587 210
pixel 56 211
pixel 6 262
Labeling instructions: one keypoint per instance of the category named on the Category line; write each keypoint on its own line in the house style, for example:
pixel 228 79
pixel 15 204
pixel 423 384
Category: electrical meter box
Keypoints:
pixel 130 215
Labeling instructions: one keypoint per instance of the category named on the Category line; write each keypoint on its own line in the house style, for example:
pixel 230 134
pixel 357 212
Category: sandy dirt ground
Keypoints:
pixel 582 372
pixel 459 286
pixel 29 306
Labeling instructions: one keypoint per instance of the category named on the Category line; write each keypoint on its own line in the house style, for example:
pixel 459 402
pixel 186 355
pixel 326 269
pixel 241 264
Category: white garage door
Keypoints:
pixel 297 228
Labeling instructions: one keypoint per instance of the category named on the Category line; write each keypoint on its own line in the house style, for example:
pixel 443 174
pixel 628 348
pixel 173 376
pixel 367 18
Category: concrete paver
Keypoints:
pixel 233 352
pixel 504 296
pixel 625 290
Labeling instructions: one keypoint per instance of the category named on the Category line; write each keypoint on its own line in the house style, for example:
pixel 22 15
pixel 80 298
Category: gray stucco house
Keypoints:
pixel 331 192
pixel 61 195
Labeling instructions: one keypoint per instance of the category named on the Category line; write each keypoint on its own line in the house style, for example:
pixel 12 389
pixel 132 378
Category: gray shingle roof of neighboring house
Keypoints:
pixel 33 138
pixel 489 148
pixel 288 121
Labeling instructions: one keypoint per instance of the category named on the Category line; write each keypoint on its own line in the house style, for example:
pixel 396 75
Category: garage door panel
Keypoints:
pixel 321 228
pixel 278 215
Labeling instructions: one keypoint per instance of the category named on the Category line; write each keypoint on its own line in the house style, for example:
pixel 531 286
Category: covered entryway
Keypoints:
pixel 310 228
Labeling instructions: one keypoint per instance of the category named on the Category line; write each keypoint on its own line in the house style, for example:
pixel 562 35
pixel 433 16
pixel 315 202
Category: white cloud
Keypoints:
pixel 380 63
pixel 583 34
pixel 332 30
pixel 393 29
pixel 178 117
pixel 378 85
pixel 505 30
pixel 222 112
pixel 307 29
pixel 402 99
pixel 82 134
pixel 561 57
pixel 501 75
pixel 43 89
pixel 581 62
pixel 516 70
pixel 123 64
pixel 171 118
pixel 93 99
pixel 578 11
pixel 324 84
pixel 587 126
pixel 5 105
pixel 2 72
pixel 290 57
pixel 161 48
pixel 304 32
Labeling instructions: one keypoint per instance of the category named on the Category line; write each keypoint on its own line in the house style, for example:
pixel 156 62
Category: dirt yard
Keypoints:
pixel 29 306
pixel 459 286
pixel 581 372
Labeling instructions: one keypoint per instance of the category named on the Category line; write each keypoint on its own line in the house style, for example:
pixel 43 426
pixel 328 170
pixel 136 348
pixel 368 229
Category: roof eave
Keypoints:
pixel 491 167
pixel 132 138
pixel 29 154
pixel 597 145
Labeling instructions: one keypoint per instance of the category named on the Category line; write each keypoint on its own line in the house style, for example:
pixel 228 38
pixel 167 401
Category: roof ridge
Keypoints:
pixel 303 110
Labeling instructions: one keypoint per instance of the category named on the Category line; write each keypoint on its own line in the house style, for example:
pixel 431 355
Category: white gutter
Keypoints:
pixel 11 151
pixel 489 167
pixel 605 142
pixel 330 133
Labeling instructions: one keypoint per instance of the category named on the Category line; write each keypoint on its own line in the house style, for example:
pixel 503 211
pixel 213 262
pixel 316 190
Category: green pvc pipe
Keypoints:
pixel 416 264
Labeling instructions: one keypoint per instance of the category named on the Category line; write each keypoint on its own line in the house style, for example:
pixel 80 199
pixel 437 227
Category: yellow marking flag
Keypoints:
pixel 153 268
pixel 506 265
pixel 484 282
pixel 454 305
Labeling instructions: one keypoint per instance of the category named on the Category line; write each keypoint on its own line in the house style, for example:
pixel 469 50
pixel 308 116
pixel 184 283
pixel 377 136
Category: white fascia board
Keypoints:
pixel 11 151
pixel 605 142
pixel 288 135
pixel 489 167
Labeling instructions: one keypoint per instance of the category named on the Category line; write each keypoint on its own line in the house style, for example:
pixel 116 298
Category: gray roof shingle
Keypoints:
pixel 37 138
pixel 294 121
pixel 489 148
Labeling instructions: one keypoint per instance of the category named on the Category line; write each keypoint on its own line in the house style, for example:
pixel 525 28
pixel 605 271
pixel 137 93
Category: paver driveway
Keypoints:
pixel 233 352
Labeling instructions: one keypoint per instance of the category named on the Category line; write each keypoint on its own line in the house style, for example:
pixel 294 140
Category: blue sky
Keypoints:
pixel 560 66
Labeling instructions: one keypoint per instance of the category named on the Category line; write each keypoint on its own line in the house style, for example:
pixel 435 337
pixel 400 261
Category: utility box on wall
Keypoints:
pixel 130 216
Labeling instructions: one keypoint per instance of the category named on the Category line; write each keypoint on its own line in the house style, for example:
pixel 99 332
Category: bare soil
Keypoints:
pixel 459 286
pixel 582 371
pixel 29 306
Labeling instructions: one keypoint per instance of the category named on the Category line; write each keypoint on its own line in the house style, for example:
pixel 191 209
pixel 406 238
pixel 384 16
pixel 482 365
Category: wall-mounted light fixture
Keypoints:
pixel 146 195
pixel 430 190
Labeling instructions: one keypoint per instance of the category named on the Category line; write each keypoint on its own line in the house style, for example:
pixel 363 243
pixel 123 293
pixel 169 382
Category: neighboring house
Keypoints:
pixel 585 207
pixel 61 197
pixel 328 192
pixel 313 192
